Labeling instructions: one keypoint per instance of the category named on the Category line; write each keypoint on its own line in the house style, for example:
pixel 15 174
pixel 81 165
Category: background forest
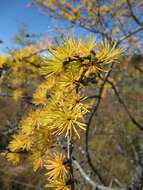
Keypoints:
pixel 111 149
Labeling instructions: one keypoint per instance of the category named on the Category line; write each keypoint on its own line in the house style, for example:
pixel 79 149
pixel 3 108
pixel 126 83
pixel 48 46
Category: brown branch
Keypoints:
pixel 137 178
pixel 90 181
pixel 33 54
pixel 31 186
pixel 92 97
pixel 5 95
pixel 130 34
pixel 94 110
pixel 132 14
pixel 124 106
pixel 138 68
pixel 71 181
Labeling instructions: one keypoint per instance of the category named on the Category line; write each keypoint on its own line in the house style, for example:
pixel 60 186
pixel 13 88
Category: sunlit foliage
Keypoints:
pixel 60 104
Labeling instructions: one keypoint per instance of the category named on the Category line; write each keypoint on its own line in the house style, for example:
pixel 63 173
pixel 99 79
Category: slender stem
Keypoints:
pixel 69 156
pixel 94 110
pixel 130 34
pixel 121 101
pixel 132 14
pixel 90 181
pixel 68 147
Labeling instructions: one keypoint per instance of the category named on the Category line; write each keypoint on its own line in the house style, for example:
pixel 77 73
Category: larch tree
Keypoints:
pixel 61 88
pixel 60 107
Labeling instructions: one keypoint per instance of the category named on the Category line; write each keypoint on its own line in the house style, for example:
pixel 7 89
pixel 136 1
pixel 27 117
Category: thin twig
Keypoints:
pixel 130 34
pixel 90 181
pixel 124 106
pixel 69 157
pixel 132 14
pixel 94 110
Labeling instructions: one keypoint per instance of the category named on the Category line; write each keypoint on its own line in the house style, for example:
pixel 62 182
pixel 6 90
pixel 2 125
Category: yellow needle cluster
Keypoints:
pixel 55 166
pixel 60 104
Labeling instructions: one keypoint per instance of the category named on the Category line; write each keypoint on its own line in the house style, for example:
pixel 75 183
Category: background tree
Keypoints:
pixel 114 20
pixel 24 37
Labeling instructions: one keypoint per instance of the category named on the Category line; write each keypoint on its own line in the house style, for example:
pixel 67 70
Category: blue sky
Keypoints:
pixel 15 12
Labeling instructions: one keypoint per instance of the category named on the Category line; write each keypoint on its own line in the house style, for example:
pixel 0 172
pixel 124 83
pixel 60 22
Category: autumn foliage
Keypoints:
pixel 76 103
pixel 59 103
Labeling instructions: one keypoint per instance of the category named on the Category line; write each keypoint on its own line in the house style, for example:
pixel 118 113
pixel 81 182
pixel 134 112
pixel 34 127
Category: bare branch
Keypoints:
pixel 124 105
pixel 94 110
pixel 90 181
pixel 69 157
pixel 132 14
pixel 130 34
